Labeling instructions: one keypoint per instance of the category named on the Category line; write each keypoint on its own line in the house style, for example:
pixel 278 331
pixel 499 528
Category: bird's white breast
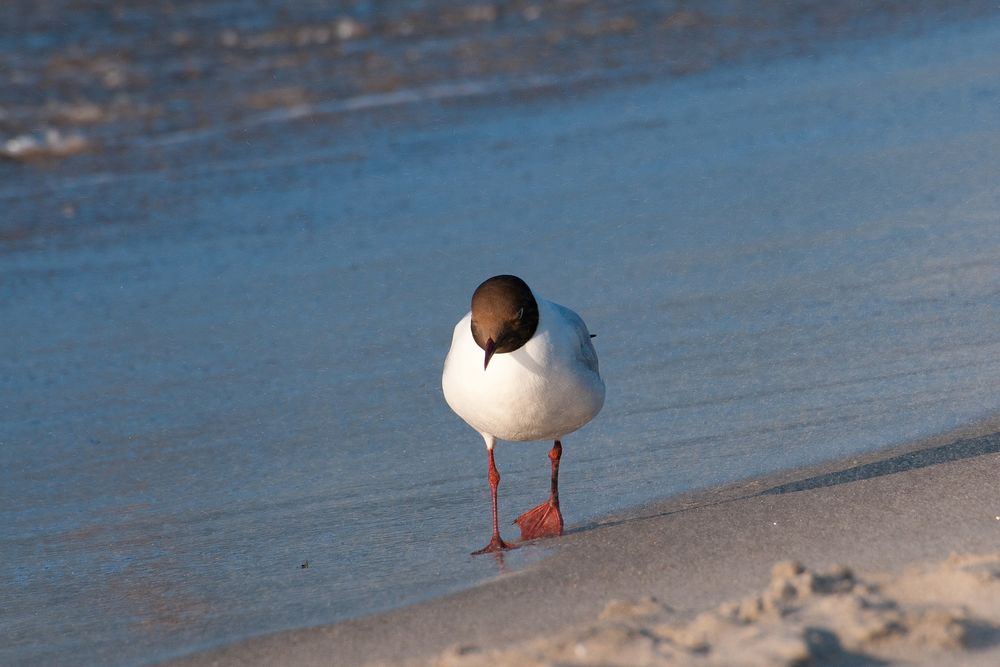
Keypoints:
pixel 543 390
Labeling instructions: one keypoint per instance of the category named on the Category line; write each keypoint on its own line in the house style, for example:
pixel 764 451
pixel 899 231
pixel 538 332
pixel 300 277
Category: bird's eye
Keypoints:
pixel 520 312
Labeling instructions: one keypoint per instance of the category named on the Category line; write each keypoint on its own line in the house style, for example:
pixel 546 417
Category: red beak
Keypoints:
pixel 491 347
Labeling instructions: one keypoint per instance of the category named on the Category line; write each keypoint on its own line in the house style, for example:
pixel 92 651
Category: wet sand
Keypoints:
pixel 901 554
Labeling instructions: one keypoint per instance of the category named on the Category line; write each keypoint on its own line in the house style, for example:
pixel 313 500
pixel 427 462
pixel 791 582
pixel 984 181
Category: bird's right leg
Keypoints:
pixel 545 520
pixel 496 544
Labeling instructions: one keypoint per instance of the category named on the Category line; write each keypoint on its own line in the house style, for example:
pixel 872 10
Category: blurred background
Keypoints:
pixel 106 77
pixel 235 236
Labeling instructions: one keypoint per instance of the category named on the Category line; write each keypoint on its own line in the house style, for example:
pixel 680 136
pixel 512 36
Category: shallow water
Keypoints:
pixel 222 366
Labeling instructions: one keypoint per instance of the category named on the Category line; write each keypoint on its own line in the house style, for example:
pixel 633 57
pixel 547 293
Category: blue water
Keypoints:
pixel 232 368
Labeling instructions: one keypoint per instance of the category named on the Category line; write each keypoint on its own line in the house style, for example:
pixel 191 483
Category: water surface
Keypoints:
pixel 222 366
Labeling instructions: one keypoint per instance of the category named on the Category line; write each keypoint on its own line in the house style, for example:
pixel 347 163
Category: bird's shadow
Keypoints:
pixel 963 448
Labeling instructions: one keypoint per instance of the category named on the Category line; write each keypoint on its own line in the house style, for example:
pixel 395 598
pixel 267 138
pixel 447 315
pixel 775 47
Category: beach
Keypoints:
pixel 902 557
pixel 235 240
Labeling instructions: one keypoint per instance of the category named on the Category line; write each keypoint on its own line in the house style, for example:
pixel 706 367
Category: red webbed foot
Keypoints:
pixel 496 545
pixel 542 521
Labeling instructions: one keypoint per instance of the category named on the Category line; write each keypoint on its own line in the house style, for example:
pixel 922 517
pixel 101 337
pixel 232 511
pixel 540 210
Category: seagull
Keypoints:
pixel 522 368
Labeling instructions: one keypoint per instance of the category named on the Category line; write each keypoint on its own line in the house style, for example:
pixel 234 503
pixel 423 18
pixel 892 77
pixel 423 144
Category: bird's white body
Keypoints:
pixel 548 387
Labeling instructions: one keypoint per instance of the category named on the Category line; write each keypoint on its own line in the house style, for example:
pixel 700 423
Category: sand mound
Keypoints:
pixel 928 614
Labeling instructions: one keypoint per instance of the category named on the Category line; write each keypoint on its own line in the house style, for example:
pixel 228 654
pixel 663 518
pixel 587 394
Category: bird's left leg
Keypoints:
pixel 546 519
pixel 496 543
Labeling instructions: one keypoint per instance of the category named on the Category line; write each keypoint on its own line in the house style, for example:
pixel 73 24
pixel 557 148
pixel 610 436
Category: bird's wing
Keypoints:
pixel 586 352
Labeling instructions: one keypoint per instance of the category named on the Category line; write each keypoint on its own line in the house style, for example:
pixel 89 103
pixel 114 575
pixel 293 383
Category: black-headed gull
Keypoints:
pixel 522 368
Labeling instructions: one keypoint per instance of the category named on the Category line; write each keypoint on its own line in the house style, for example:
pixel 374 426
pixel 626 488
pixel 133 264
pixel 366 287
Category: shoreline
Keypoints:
pixel 908 504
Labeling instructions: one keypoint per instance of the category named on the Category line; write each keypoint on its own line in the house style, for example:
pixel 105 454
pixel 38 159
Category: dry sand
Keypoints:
pixel 929 613
pixel 902 565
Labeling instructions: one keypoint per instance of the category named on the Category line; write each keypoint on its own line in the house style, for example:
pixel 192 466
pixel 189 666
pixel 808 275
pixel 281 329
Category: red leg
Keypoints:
pixel 496 544
pixel 546 519
pixel 554 455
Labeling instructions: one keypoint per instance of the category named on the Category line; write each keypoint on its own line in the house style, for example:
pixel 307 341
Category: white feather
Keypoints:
pixel 543 390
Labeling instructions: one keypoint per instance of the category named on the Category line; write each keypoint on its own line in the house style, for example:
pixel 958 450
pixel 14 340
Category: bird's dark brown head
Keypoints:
pixel 504 315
